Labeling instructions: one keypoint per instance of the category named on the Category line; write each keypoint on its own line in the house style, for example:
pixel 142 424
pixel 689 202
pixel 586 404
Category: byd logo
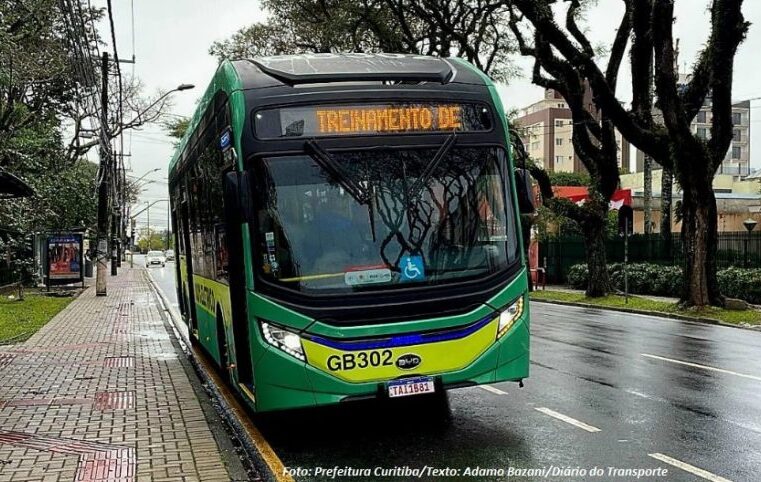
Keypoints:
pixel 408 361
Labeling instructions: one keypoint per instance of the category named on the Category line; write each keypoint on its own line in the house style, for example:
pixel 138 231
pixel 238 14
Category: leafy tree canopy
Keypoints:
pixel 476 31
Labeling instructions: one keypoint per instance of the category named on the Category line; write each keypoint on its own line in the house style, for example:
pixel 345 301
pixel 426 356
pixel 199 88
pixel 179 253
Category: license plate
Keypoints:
pixel 410 386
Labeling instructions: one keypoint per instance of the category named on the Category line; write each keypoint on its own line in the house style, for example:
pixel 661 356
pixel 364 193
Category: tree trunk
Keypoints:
pixel 699 239
pixel 594 244
pixel 667 183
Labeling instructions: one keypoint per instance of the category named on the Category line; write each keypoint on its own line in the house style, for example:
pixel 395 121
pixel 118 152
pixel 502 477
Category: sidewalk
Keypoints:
pixel 102 393
pixel 566 289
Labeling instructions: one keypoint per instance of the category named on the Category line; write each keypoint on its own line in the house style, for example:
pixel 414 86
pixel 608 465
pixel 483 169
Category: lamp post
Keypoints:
pixel 143 176
pixel 749 225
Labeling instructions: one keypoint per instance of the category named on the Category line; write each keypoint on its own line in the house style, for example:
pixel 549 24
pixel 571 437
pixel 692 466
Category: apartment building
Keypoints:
pixel 737 159
pixel 547 127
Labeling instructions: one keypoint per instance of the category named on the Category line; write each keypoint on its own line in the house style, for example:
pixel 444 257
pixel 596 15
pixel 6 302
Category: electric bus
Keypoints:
pixel 347 228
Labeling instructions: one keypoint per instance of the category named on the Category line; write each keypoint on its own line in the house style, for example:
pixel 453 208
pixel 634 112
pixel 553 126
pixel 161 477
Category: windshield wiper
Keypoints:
pixel 326 161
pixel 425 176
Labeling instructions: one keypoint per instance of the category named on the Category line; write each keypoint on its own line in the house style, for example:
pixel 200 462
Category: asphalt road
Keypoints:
pixel 607 390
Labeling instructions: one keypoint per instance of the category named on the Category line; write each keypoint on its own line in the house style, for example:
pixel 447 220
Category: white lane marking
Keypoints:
pixel 688 468
pixel 704 367
pixel 567 419
pixel 491 389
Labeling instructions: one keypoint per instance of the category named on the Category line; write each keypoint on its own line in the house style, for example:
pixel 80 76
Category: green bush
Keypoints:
pixel 577 276
pixel 741 283
pixel 660 280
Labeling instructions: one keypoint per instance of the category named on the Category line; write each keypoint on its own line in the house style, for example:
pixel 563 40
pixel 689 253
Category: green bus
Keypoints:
pixel 348 228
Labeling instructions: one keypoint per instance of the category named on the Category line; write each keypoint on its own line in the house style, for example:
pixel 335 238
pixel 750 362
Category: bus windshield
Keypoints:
pixel 378 220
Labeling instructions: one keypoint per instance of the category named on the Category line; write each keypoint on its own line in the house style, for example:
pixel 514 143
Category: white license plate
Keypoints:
pixel 410 386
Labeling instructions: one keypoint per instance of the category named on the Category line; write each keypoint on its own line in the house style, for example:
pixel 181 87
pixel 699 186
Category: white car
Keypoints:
pixel 155 258
pixel 169 254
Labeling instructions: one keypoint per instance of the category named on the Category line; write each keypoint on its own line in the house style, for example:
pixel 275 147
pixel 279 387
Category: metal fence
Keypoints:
pixel 7 274
pixel 734 249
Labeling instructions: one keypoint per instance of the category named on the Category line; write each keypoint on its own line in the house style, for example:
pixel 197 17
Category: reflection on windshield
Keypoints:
pixel 314 236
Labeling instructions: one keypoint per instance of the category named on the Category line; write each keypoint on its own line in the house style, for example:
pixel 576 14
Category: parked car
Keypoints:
pixel 169 254
pixel 155 258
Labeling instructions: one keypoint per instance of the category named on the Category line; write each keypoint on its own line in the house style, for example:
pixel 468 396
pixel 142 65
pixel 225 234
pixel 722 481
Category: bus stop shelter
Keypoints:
pixel 13 187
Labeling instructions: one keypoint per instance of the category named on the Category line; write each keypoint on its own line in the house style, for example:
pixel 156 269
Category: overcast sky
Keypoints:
pixel 172 39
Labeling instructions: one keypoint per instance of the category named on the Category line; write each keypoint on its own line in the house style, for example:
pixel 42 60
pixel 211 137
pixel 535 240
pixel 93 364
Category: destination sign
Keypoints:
pixel 371 119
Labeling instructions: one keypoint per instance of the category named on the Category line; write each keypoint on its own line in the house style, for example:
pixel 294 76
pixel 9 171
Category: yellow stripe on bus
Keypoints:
pixel 312 277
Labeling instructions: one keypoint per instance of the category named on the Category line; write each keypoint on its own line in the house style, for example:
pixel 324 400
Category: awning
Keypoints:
pixel 579 194
pixel 13 187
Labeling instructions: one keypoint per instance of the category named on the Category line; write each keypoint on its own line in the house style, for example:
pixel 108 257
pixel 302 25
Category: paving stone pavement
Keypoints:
pixel 99 394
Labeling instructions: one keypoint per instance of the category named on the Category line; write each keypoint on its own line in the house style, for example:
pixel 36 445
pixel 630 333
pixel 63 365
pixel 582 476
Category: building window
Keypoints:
pixel 558 123
pixel 561 106
pixel 702 132
pixel 558 159
pixel 737 118
pixel 558 141
pixel 736 135
pixel 702 116
pixel 736 152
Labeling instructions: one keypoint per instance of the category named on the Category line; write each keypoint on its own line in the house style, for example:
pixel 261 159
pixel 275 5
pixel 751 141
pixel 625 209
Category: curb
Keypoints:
pixel 256 449
pixel 656 314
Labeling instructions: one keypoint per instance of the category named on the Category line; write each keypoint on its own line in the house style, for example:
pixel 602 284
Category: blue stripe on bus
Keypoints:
pixel 403 340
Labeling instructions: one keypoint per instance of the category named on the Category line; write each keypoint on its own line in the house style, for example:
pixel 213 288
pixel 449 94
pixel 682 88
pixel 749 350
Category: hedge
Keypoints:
pixel 656 279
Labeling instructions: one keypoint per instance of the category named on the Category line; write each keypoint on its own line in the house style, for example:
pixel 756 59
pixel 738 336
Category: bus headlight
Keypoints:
pixel 283 339
pixel 509 316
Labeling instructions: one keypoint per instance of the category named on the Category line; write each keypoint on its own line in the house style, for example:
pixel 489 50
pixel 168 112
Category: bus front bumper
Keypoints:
pixel 284 382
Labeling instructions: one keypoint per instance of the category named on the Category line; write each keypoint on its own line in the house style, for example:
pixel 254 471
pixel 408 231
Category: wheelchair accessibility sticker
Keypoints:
pixel 411 268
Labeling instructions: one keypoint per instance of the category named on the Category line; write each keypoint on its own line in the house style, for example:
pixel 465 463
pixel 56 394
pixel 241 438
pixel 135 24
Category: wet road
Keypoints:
pixel 607 390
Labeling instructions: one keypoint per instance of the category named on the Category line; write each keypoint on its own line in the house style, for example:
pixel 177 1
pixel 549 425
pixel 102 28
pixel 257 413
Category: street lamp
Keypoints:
pixel 147 172
pixel 179 88
pixel 749 225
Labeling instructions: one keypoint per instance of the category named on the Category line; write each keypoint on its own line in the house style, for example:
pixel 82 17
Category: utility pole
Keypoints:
pixel 150 233
pixel 115 221
pixel 103 185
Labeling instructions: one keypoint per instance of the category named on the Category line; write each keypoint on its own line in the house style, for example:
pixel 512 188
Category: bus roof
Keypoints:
pixel 314 68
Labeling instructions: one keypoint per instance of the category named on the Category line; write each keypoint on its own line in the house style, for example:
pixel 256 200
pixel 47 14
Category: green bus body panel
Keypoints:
pixel 282 381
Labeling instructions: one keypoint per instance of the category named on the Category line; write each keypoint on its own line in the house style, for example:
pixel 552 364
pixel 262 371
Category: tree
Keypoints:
pixel 475 31
pixel 569 179
pixel 151 239
pixel 177 127
pixel 64 192
pixel 693 160
pixel 593 135
pixel 37 75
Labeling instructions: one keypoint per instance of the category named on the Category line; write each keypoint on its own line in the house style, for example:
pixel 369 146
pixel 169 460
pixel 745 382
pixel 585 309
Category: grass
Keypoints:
pixel 750 317
pixel 21 319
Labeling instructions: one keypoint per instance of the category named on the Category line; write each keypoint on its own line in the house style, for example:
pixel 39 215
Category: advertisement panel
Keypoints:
pixel 64 262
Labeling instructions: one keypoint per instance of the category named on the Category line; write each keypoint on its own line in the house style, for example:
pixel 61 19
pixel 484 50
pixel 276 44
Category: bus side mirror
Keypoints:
pixel 523 191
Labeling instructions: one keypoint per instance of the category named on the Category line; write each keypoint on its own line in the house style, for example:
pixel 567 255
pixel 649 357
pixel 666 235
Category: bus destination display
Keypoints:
pixel 342 120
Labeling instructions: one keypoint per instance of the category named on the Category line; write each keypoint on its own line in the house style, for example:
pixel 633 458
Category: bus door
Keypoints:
pixel 189 298
pixel 234 240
